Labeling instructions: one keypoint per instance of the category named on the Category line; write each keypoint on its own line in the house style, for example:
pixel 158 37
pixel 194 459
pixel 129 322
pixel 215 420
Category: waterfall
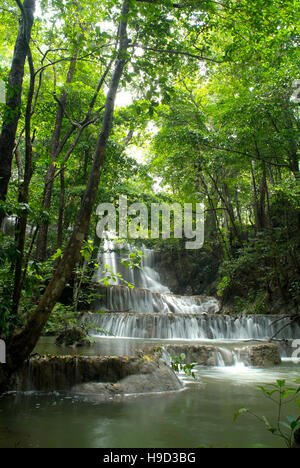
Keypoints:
pixel 8 225
pixel 121 298
pixel 194 327
pixel 151 311
pixel 145 278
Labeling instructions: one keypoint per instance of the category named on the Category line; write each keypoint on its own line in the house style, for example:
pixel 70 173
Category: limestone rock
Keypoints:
pixel 262 355
pixel 116 374
pixel 203 355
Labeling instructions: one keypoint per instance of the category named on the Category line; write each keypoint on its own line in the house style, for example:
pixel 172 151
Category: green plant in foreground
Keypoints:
pixel 280 394
pixel 178 364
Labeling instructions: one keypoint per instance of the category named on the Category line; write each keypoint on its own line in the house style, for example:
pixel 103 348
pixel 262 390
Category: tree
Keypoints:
pixel 14 94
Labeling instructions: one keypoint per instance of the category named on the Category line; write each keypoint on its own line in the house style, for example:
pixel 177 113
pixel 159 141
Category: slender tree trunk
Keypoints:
pixel 25 339
pixel 293 147
pixel 255 198
pixel 13 100
pixel 262 199
pixel 238 208
pixel 230 210
pixel 24 194
pixel 212 205
pixel 61 210
pixel 49 180
pixel 225 197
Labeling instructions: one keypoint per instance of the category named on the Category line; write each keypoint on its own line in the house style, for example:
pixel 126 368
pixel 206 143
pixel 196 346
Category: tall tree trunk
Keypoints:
pixel 255 204
pixel 224 195
pixel 238 208
pixel 13 100
pixel 61 209
pixel 25 339
pixel 262 199
pixel 24 194
pixel 293 146
pixel 49 180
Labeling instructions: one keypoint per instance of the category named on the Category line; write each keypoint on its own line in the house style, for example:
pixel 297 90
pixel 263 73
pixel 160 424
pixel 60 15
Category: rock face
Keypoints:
pixel 203 355
pixel 263 355
pixel 108 375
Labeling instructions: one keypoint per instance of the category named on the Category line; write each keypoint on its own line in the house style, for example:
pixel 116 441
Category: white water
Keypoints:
pixel 8 225
pixel 194 327
pixel 151 311
pixel 145 278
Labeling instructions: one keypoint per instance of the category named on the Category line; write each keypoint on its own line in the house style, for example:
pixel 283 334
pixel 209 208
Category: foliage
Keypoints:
pixel 131 262
pixel 178 364
pixel 281 394
pixel 210 111
pixel 63 317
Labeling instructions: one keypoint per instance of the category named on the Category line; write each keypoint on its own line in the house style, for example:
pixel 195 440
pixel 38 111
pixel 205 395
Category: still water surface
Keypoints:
pixel 201 415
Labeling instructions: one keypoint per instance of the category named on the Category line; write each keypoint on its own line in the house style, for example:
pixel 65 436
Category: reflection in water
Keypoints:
pixel 202 415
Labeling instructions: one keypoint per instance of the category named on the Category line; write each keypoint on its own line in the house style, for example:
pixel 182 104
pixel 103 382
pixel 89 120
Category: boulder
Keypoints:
pixel 115 374
pixel 202 355
pixel 262 355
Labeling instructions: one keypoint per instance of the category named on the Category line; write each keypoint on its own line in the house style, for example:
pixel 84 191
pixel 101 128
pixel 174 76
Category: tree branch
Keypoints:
pixel 171 5
pixel 178 52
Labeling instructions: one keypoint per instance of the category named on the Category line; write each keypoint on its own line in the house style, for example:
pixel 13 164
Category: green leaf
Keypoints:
pixel 281 383
pixel 239 412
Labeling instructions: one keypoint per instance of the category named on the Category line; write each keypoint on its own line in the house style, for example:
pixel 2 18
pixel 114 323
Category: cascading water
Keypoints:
pixel 145 278
pixel 151 311
pixel 8 225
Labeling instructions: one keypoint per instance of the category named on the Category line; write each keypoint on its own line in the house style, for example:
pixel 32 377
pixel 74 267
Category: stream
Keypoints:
pixel 200 415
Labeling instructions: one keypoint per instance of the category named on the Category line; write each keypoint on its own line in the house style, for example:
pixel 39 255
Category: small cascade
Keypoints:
pixel 149 294
pixel 147 277
pixel 151 311
pixel 194 327
pixel 121 298
pixel 251 355
pixel 8 225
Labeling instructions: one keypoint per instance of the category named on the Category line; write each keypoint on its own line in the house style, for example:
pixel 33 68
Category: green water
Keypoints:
pixel 201 415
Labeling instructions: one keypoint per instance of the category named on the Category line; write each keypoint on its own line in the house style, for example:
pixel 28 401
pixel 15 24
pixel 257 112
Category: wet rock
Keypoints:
pixel 262 355
pixel 116 374
pixel 203 355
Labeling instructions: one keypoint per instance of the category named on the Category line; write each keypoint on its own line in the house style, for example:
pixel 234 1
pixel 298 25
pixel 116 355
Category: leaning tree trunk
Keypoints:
pixel 13 100
pixel 24 340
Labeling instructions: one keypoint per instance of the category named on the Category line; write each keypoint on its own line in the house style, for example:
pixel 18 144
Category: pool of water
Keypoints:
pixel 108 346
pixel 200 415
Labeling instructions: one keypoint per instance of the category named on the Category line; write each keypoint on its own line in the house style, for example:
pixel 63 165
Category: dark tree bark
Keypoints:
pixel 24 340
pixel 24 193
pixel 13 99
